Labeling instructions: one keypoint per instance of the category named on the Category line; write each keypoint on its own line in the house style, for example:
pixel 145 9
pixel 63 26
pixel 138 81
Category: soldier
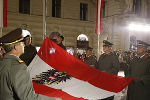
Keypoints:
pixel 57 38
pixel 15 82
pixel 108 61
pixel 139 70
pixel 29 50
pixel 90 59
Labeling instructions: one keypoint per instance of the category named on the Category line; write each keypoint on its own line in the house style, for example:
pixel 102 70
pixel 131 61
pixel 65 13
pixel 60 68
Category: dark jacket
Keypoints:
pixel 15 81
pixel 29 53
pixel 139 70
pixel 109 63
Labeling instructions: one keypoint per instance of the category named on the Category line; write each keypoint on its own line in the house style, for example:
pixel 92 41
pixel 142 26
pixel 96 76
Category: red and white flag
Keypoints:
pixel 99 16
pixel 3 13
pixel 85 82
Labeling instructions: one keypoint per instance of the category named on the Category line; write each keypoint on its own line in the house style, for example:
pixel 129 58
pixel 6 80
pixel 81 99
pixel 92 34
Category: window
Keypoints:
pixel 103 9
pixel 137 6
pixel 56 8
pixel 24 6
pixel 83 11
pixel 148 9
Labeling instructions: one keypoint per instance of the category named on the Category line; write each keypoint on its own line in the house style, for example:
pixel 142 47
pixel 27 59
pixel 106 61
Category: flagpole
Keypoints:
pixel 99 12
pixel 44 18
pixel 98 46
pixel 1 31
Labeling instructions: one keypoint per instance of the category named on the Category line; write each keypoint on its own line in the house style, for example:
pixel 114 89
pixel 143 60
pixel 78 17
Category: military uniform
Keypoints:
pixel 139 88
pixel 91 61
pixel 15 82
pixel 109 63
pixel 61 45
pixel 139 70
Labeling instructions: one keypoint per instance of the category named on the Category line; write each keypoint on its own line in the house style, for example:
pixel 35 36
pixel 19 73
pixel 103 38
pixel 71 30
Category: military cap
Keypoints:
pixel 142 43
pixel 89 48
pixel 26 33
pixel 107 43
pixel 54 35
pixel 12 37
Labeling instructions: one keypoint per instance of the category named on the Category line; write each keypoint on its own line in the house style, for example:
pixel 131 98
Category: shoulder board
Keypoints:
pixel 20 61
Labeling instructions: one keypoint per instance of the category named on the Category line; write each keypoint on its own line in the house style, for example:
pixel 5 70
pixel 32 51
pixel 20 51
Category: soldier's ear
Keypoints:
pixel 15 47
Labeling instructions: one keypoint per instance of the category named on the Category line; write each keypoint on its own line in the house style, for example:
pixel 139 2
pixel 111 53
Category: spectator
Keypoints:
pixel 29 50
pixel 90 59
pixel 57 38
pixel 15 82
pixel 139 70
pixel 108 61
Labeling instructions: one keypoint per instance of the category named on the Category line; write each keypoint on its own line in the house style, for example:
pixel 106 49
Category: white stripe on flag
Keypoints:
pixel 74 87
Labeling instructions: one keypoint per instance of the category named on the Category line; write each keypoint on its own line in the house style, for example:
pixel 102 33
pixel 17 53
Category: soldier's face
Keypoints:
pixel 88 52
pixel 106 49
pixel 141 50
pixel 59 40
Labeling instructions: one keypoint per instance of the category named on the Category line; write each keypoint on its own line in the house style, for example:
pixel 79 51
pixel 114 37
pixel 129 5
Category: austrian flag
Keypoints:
pixel 56 73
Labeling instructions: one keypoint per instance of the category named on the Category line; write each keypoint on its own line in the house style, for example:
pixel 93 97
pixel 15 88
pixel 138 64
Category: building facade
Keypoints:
pixel 73 18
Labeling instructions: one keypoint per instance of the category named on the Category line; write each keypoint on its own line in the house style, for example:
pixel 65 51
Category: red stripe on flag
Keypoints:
pixel 99 17
pixel 4 13
pixel 51 92
pixel 61 60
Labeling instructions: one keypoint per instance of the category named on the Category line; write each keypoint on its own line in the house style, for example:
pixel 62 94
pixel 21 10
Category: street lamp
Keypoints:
pixel 139 27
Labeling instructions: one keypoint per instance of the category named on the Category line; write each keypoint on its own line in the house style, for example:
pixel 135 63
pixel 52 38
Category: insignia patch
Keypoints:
pixel 51 76
pixel 20 61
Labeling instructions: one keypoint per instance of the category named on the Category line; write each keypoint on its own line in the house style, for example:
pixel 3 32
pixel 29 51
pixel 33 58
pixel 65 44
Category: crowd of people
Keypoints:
pixel 135 64
pixel 17 52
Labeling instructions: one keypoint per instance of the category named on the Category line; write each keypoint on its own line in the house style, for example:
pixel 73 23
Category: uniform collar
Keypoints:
pixel 10 56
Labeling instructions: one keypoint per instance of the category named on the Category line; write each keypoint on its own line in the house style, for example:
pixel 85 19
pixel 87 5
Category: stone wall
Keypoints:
pixel 113 24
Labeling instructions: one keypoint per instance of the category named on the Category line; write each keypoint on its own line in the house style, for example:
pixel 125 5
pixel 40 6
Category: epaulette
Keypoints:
pixel 20 61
